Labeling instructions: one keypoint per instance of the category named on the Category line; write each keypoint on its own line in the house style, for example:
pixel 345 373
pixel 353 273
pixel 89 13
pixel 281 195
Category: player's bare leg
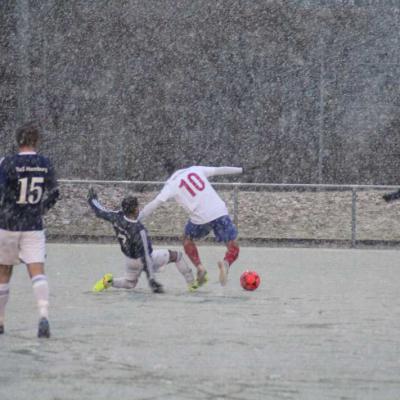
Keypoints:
pixel 193 254
pixel 40 288
pixel 231 255
pixel 5 276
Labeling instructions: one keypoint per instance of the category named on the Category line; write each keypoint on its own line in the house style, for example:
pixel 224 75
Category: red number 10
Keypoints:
pixel 195 183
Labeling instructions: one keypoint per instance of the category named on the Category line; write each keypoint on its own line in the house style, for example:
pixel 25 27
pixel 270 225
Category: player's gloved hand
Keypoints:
pixel 247 168
pixel 155 286
pixel 92 195
pixel 388 197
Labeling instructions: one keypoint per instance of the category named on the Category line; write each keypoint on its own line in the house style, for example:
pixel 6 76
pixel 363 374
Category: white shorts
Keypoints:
pixel 26 247
pixel 134 266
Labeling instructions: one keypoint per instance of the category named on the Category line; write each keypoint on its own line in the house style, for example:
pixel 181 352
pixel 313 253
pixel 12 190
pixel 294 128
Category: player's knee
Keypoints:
pixel 131 284
pixel 174 255
pixel 128 282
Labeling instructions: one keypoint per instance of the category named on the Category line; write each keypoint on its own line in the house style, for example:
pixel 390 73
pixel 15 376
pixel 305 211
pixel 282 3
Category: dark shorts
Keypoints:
pixel 223 227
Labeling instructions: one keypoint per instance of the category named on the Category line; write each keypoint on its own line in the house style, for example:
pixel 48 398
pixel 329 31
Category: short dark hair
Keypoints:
pixel 129 204
pixel 27 134
pixel 169 166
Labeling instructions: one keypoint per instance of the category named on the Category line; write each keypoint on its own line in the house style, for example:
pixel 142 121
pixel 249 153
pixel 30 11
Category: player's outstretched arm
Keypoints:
pixel 149 208
pixel 98 209
pixel 155 286
pixel 392 196
pixel 211 171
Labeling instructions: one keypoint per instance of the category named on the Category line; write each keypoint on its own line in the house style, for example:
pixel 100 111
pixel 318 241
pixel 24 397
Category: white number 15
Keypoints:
pixel 34 195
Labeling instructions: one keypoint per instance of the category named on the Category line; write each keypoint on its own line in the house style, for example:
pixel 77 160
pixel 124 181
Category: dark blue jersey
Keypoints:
pixel 28 188
pixel 131 234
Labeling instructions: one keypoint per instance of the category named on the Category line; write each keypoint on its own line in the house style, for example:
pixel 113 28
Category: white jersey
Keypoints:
pixel 191 189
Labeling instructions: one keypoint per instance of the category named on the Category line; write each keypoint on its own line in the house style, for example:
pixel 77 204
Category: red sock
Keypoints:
pixel 232 254
pixel 192 253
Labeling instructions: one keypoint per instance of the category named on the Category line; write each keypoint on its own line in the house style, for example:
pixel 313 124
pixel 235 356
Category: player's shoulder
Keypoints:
pixel 140 226
pixel 133 225
pixel 176 175
pixel 118 213
pixel 43 158
pixel 7 160
pixel 44 161
pixel 185 171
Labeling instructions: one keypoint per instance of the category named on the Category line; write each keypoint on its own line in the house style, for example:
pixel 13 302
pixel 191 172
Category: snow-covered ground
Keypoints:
pixel 324 324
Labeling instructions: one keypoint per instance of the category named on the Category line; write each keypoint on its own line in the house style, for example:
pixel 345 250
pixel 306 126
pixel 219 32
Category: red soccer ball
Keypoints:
pixel 250 280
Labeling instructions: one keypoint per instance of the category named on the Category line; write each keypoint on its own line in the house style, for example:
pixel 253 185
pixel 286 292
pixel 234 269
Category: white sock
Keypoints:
pixel 4 294
pixel 123 283
pixel 41 291
pixel 184 269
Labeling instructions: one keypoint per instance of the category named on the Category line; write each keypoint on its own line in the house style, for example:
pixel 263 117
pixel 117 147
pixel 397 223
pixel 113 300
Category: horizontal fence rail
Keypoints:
pixel 347 215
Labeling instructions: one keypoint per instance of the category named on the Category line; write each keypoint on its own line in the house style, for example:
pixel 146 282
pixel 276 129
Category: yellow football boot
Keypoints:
pixel 103 284
pixel 192 287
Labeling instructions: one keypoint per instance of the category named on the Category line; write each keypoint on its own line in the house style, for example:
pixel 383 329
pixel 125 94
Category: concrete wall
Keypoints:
pixel 307 89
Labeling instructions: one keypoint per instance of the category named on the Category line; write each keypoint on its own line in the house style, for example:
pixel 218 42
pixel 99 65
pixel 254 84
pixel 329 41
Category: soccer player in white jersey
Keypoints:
pixel 207 211
pixel 28 188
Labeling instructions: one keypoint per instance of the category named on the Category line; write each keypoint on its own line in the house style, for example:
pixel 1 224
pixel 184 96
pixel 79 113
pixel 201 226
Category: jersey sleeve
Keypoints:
pixel 166 193
pixel 149 208
pixel 211 171
pixel 102 212
pixel 53 192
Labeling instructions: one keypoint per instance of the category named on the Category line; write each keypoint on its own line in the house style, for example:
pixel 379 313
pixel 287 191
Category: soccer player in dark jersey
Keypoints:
pixel 137 248
pixel 28 189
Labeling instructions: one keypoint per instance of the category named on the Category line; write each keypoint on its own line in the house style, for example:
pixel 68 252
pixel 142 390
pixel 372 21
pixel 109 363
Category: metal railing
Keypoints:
pixel 238 190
